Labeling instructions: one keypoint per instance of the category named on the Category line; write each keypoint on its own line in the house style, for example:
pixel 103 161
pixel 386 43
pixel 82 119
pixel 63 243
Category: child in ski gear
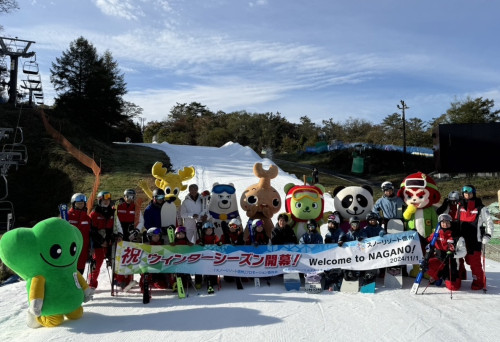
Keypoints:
pixel 282 233
pixel 443 264
pixel 476 227
pixel 389 205
pixel 126 212
pixel 333 277
pixel 333 228
pixel 258 236
pixel 180 237
pixel 234 235
pixel 354 233
pixel 104 232
pixel 78 217
pixel 312 236
pixel 208 237
pixel 191 212
pixel 157 280
pixel 373 228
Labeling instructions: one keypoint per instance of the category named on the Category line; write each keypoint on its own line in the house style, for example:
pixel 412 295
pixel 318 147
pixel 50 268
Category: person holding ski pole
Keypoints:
pixel 78 217
pixel 447 248
pixel 476 227
pixel 104 231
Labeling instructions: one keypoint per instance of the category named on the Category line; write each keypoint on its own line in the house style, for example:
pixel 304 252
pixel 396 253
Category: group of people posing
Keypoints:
pixel 462 219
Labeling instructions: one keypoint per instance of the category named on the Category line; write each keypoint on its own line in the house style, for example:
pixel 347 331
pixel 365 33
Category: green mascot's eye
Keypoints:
pixel 315 205
pixel 298 205
pixel 55 251
pixel 72 249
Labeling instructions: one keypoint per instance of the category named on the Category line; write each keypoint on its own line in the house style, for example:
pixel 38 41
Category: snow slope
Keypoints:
pixel 265 313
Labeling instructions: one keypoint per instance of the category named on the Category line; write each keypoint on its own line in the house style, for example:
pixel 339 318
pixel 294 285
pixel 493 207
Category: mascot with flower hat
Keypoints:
pixel 420 192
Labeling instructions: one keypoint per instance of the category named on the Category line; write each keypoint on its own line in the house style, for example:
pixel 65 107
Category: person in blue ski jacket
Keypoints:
pixel 333 228
pixel 389 206
pixel 354 233
pixel 312 236
pixel 373 228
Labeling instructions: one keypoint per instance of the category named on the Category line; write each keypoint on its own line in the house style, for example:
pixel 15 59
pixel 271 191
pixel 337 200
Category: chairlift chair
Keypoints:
pixel 19 152
pixel 7 216
pixel 5 132
pixel 34 78
pixel 31 67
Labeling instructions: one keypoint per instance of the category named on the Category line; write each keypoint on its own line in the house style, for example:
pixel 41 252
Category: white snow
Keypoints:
pixel 265 313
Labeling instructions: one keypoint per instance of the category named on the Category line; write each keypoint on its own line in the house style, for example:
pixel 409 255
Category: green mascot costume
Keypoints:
pixel 46 257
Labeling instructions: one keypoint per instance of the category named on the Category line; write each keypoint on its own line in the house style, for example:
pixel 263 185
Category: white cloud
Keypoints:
pixel 120 8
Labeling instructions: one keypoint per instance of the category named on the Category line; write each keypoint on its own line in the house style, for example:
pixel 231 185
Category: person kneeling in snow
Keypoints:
pixel 443 264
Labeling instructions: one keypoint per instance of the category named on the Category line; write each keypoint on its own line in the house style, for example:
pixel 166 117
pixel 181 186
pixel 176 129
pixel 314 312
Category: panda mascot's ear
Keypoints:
pixel 369 188
pixel 337 190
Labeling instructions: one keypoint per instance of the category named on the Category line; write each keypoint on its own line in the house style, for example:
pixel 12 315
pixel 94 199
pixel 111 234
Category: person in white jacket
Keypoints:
pixel 191 212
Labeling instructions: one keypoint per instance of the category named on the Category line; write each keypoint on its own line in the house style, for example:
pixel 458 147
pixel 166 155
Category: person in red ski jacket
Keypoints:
pixel 104 231
pixel 476 227
pixel 447 248
pixel 127 213
pixel 78 217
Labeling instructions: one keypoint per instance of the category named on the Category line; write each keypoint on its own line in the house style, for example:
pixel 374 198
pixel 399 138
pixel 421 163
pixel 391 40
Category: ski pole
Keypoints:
pixel 483 252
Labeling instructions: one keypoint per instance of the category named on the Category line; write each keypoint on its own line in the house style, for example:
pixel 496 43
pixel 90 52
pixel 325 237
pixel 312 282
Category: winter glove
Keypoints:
pixel 486 239
pixel 424 264
pixel 201 243
pixel 340 243
pixel 451 247
pixel 35 307
pixel 381 233
pixel 460 249
pixel 360 239
pixel 88 294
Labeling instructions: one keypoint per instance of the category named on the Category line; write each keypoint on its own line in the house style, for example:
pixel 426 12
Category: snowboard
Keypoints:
pixel 350 284
pixel 291 281
pixel 367 281
pixel 393 275
pixel 168 217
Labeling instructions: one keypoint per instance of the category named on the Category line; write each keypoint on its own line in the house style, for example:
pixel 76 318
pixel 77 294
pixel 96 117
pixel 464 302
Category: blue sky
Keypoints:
pixel 324 59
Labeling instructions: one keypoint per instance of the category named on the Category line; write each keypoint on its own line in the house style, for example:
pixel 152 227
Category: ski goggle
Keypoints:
pixel 311 226
pixel 106 196
pixel 157 231
pixel 160 197
pixel 420 183
pixel 220 188
pixel 467 189
pixel 81 198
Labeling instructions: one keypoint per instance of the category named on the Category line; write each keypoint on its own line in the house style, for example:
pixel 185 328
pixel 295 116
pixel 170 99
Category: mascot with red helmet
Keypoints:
pixel 419 191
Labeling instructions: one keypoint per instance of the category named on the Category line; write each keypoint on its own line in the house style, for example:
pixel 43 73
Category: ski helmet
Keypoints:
pixel 103 195
pixel 133 234
pixel 180 229
pixel 158 194
pixel 444 217
pixel 235 221
pixel 208 225
pixel 154 231
pixel 469 189
pixel 454 196
pixel 372 216
pixel 257 223
pixel 354 219
pixel 78 197
pixel 312 224
pixel 129 193
pixel 334 218
pixel 387 186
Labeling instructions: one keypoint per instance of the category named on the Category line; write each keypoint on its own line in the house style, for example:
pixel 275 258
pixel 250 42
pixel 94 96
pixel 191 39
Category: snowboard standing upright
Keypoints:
pixel 393 275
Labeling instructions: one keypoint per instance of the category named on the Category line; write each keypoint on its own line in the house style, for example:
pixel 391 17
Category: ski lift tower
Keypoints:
pixel 14 48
